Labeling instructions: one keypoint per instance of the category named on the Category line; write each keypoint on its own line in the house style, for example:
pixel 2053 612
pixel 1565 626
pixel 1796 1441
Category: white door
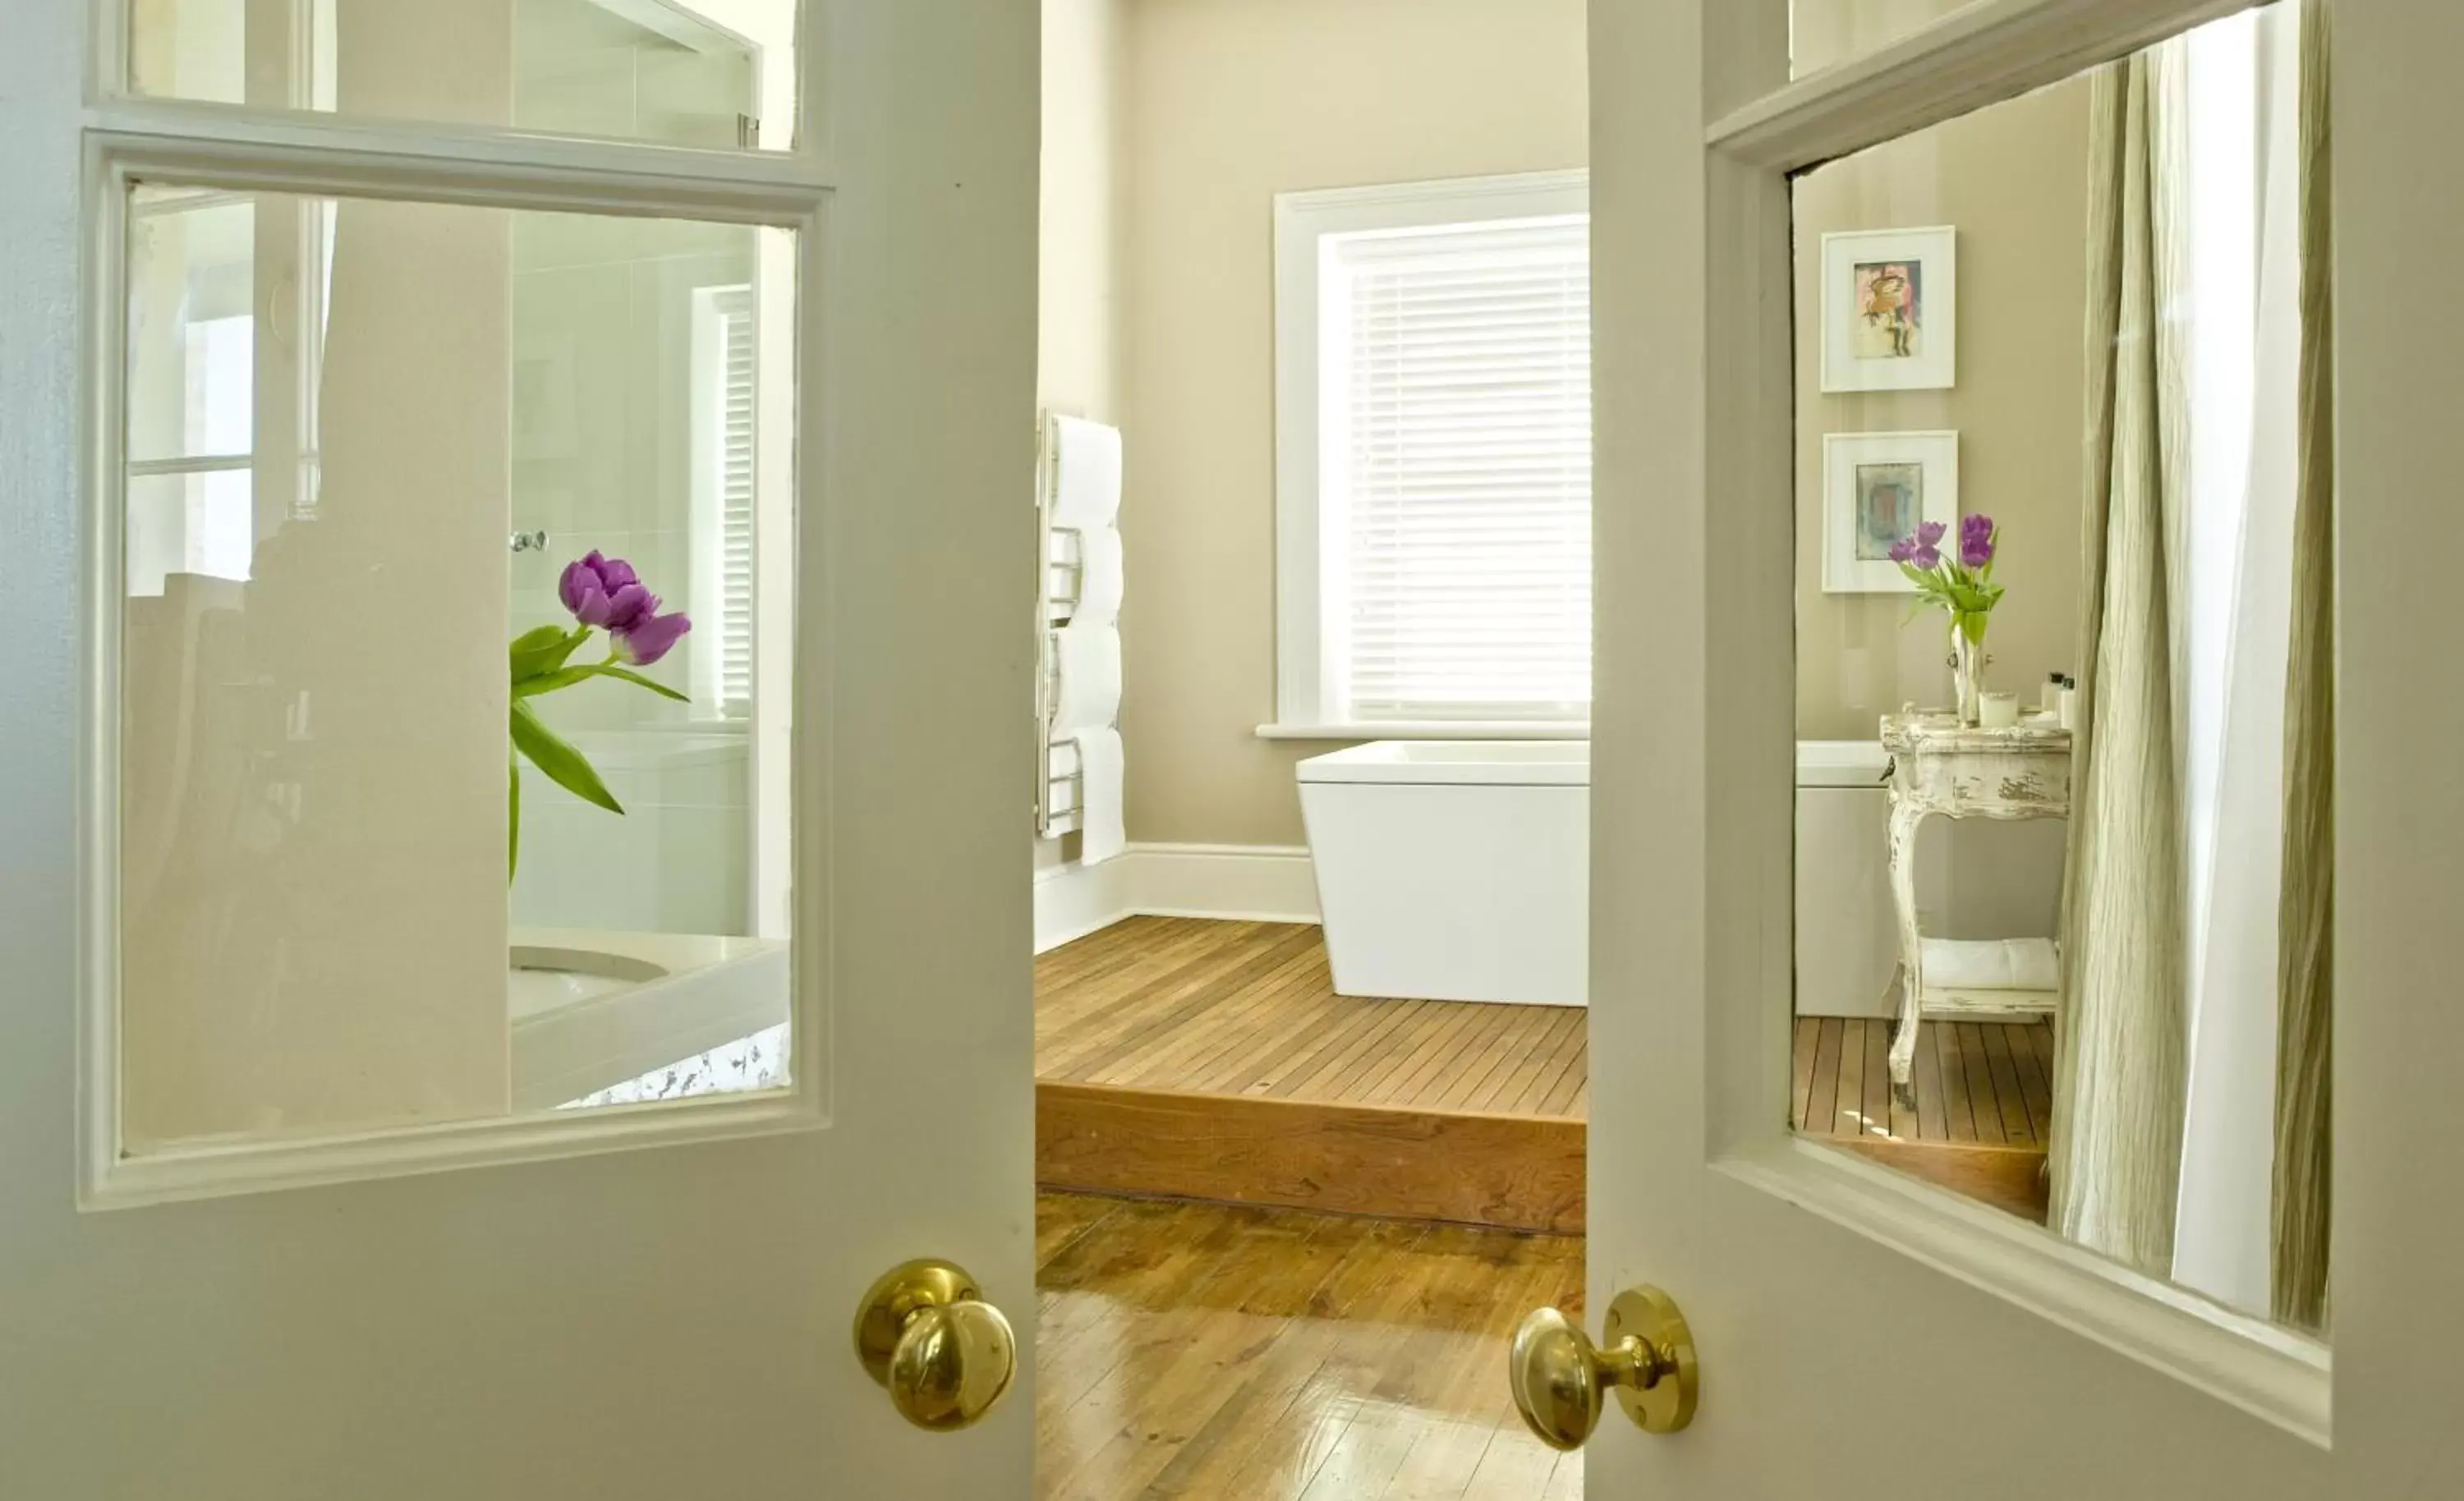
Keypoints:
pixel 274 1223
pixel 1859 1333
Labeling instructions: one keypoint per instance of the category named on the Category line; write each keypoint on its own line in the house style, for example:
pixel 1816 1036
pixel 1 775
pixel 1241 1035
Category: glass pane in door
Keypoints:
pixel 385 461
pixel 715 73
pixel 2060 615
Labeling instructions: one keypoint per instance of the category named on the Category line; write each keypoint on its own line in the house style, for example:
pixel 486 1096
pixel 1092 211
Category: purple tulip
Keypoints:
pixel 649 638
pixel 1976 540
pixel 605 592
pixel 1928 553
pixel 1902 550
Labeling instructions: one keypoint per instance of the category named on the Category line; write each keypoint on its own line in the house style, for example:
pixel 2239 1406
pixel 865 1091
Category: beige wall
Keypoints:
pixel 1231 102
pixel 2012 179
pixel 1083 233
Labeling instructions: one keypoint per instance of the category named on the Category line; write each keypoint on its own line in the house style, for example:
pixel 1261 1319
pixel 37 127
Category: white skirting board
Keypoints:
pixel 1253 883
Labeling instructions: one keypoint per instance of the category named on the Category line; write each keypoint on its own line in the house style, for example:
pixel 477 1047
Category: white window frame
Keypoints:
pixel 128 139
pixel 1304 707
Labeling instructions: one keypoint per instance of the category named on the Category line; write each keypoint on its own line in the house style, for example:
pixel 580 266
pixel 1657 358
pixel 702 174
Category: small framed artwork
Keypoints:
pixel 1877 488
pixel 1890 310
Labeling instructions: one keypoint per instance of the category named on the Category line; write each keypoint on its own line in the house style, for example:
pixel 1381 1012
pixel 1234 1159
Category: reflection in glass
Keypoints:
pixel 2061 611
pixel 367 444
pixel 1824 32
pixel 714 72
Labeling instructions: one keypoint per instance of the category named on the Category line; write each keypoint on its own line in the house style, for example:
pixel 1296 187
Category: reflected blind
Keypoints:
pixel 734 308
pixel 1456 432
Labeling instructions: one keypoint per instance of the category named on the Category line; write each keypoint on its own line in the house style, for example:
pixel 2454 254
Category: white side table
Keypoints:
pixel 1937 767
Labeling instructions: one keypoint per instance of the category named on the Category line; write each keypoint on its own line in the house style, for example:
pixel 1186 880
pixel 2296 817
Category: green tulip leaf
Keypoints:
pixel 538 652
pixel 628 675
pixel 563 765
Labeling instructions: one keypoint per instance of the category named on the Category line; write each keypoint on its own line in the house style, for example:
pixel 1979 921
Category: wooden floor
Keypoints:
pixel 1977 1119
pixel 1239 1354
pixel 1216 1008
pixel 1213 1059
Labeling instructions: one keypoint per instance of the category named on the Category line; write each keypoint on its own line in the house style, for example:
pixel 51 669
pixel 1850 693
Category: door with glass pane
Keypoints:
pixel 2017 838
pixel 516 919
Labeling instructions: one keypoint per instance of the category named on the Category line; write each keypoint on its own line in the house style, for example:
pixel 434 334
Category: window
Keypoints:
pixel 1433 488
pixel 723 494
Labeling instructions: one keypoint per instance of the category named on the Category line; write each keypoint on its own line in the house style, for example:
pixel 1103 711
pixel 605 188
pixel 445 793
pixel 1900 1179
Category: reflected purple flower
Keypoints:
pixel 1976 540
pixel 605 592
pixel 651 637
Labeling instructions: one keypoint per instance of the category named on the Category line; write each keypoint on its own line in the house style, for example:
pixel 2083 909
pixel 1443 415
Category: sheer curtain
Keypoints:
pixel 2244 85
pixel 2118 1066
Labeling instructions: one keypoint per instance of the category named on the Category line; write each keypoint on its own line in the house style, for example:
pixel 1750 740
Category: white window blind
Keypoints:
pixel 1455 471
pixel 734 309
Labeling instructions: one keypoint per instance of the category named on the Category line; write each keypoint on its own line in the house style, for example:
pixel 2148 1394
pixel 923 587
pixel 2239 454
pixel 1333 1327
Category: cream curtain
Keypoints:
pixel 2305 1009
pixel 2120 1066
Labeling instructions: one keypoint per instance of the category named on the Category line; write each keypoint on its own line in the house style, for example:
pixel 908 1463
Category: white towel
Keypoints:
pixel 1085 473
pixel 1099 577
pixel 1088 692
pixel 1100 831
pixel 2004 963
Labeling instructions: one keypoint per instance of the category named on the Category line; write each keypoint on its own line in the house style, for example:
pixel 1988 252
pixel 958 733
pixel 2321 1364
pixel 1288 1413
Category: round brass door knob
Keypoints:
pixel 1646 1356
pixel 945 1356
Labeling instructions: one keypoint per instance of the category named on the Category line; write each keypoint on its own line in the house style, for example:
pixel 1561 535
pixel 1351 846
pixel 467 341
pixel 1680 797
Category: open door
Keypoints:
pixel 378 1123
pixel 1854 1328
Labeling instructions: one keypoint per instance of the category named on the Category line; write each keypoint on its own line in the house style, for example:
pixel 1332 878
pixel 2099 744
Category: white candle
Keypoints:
pixel 1997 711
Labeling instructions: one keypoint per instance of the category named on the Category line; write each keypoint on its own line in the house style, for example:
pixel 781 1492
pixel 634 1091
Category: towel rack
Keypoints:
pixel 1058 794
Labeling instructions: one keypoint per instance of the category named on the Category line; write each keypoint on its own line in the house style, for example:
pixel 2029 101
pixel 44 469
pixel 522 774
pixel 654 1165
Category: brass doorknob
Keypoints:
pixel 1646 1356
pixel 926 1333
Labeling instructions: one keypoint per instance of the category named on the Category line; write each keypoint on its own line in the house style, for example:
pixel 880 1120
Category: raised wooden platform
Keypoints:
pixel 1213 1061
pixel 1977 1121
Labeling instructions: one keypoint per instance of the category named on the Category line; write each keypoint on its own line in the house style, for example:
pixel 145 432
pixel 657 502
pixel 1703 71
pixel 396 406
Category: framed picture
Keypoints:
pixel 1890 310
pixel 1877 487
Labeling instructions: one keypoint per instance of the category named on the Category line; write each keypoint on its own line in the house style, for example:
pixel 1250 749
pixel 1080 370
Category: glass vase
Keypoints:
pixel 1968 661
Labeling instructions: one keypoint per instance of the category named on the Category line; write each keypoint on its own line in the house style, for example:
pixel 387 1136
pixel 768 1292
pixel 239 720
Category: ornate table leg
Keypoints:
pixel 1906 816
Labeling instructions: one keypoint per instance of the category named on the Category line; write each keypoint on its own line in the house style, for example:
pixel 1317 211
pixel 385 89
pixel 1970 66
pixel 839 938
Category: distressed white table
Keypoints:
pixel 1937 767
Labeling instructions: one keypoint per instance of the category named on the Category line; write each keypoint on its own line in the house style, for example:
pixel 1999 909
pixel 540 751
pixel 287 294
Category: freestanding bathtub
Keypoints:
pixel 1454 870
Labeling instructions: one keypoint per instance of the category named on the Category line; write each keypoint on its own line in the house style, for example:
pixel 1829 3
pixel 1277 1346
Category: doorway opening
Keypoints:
pixel 1313 781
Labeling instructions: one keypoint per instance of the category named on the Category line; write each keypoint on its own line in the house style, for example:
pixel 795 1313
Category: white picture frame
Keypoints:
pixel 1860 514
pixel 1916 348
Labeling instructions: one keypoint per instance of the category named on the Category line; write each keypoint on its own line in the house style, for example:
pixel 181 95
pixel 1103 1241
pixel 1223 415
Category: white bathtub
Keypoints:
pixel 1454 870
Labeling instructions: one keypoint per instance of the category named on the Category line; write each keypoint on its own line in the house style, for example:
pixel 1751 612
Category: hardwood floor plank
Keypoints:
pixel 1253 1416
pixel 1849 1116
pixel 1250 1007
pixel 1564 1026
pixel 1567 1089
pixel 1800 1092
pixel 2018 1128
pixel 1064 1221
pixel 1572 1037
pixel 2035 1081
pixel 1958 1113
pixel 1985 1104
pixel 1877 1080
pixel 1933 1117
pixel 1823 1110
pixel 1187 993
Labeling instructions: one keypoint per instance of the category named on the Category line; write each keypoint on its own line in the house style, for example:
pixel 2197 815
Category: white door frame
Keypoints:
pixel 1694 723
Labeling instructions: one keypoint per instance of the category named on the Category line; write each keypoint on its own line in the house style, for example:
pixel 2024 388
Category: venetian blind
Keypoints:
pixel 734 308
pixel 1456 451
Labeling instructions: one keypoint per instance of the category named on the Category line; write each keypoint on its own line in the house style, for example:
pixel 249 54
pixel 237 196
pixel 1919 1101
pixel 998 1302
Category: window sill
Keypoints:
pixel 1433 729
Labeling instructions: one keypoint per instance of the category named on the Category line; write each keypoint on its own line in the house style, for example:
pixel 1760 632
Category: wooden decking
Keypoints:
pixel 1214 1007
pixel 1210 1351
pixel 1977 1119
pixel 1213 1059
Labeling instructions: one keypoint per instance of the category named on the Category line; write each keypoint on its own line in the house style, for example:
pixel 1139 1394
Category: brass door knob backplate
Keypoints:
pixel 1646 1356
pixel 945 1356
